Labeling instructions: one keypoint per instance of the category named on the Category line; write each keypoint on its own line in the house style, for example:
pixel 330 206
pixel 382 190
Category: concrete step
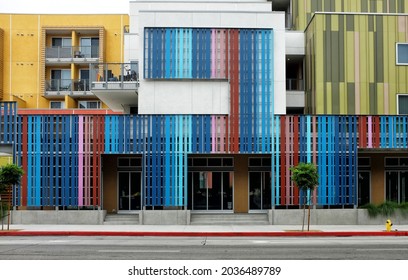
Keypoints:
pixel 229 219
pixel 121 219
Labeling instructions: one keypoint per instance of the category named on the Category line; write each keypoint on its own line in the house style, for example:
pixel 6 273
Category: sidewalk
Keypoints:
pixel 201 230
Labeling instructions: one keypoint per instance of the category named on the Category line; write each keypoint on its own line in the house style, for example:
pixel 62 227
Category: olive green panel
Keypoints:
pixel 379 50
pixel 335 101
pixel 401 8
pixel 335 58
pixel 392 7
pixel 364 6
pixel 350 22
pixel 304 9
pixel 351 110
pixel 341 37
pixel 337 55
pixel 372 99
pixel 371 23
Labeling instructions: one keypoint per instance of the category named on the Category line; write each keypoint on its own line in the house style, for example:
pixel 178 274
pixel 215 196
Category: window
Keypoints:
pixel 402 54
pixel 90 47
pixel 61 42
pixel 63 46
pixel 402 104
pixel 57 104
pixel 60 80
pixel 89 104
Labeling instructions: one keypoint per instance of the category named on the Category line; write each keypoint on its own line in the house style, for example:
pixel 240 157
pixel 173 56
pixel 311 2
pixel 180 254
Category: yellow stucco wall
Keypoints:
pixel 24 71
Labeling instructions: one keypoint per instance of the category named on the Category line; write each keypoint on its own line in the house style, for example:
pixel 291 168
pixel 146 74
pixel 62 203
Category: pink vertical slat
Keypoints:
pixel 80 160
pixel 222 135
pixel 87 163
pixel 222 51
pixel 287 159
pixel 370 133
pixel 213 56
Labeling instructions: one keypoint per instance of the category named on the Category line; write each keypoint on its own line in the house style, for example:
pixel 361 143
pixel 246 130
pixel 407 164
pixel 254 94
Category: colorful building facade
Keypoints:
pixel 184 110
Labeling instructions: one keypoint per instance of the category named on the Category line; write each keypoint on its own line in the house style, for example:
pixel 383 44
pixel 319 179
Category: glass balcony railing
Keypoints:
pixel 72 52
pixel 67 85
pixel 114 75
pixel 295 84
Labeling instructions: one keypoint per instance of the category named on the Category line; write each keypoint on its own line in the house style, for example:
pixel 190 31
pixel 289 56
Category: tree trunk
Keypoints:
pixel 304 213
pixel 308 216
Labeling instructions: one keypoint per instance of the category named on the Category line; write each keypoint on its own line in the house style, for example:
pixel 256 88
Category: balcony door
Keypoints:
pixel 90 47
pixel 60 79
pixel 396 184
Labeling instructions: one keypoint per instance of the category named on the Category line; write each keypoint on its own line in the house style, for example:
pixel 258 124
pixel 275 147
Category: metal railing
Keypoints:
pixel 295 84
pixel 114 75
pixel 67 85
pixel 72 52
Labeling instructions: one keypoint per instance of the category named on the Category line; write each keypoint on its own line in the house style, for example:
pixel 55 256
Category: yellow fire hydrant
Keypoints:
pixel 388 225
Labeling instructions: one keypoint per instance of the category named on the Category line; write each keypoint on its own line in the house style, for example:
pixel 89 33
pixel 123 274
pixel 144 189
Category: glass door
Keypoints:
pixel 391 179
pixel 397 186
pixel 364 181
pixel 129 187
pixel 211 190
pixel 260 190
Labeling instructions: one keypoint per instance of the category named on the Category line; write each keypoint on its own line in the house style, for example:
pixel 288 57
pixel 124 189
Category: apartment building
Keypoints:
pixel 203 106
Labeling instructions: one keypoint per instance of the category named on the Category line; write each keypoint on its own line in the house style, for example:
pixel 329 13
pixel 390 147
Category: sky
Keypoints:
pixel 64 6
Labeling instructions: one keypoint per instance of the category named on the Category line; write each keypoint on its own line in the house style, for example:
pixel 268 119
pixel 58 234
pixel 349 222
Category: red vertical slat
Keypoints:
pixel 234 82
pixel 362 131
pixel 24 161
pixel 376 122
pixel 283 159
pixel 296 154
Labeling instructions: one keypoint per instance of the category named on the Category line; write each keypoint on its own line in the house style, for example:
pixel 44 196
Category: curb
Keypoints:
pixel 208 234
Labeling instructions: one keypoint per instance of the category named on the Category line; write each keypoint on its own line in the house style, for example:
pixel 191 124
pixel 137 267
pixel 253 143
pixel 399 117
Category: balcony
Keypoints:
pixel 58 55
pixel 295 85
pixel 62 87
pixel 116 84
pixel 295 93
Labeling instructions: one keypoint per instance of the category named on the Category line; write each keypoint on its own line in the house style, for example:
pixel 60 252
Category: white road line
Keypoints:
pixel 139 251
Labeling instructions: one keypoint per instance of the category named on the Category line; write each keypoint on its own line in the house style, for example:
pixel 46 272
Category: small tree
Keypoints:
pixel 306 178
pixel 10 175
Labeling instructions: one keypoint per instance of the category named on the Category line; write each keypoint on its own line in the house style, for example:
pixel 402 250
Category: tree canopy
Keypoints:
pixel 10 174
pixel 305 176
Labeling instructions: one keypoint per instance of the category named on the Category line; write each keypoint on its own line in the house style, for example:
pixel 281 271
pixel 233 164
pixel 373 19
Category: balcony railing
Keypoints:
pixel 114 76
pixel 72 52
pixel 67 85
pixel 295 84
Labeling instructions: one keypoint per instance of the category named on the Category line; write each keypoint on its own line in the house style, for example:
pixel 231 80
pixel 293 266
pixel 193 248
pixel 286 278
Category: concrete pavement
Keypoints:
pixel 202 230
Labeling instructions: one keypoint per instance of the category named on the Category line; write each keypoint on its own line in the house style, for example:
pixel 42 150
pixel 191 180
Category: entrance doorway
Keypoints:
pixel 129 190
pixel 210 190
pixel 396 184
pixel 364 182
pixel 260 190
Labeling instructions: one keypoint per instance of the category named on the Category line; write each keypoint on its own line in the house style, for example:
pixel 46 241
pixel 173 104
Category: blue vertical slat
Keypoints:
pixel 190 53
pixel 337 155
pixel 208 54
pixel 168 155
pixel 194 52
pixel 29 160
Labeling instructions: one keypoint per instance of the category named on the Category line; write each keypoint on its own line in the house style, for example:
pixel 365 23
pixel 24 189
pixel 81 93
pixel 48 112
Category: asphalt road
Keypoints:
pixel 196 248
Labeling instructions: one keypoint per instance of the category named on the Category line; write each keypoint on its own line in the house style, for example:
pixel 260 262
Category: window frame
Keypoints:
pixel 397 53
pixel 398 101
pixel 87 101
pixel 60 102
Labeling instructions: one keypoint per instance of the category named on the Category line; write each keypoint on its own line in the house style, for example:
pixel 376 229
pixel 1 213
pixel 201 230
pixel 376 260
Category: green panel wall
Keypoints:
pixel 303 10
pixel 351 63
